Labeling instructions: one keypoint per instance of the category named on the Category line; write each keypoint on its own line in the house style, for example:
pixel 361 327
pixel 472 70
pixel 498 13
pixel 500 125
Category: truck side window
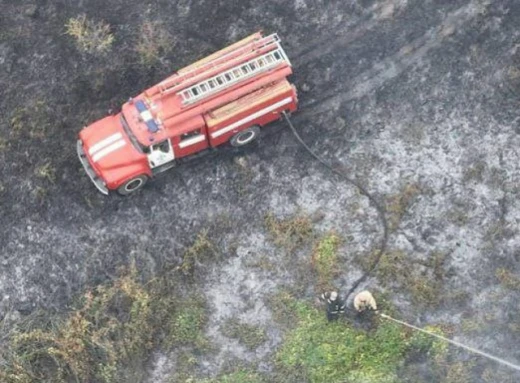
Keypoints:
pixel 163 147
pixel 191 134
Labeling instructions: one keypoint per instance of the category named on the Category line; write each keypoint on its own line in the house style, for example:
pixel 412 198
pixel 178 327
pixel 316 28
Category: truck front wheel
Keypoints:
pixel 245 136
pixel 132 185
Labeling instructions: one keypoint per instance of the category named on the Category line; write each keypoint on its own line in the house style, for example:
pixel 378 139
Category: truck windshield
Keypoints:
pixel 130 134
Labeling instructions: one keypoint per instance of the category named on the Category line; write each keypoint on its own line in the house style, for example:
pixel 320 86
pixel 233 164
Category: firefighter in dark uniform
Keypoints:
pixel 335 305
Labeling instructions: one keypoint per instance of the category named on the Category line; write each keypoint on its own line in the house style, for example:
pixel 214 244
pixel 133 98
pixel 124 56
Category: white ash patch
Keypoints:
pixel 161 369
pixel 237 290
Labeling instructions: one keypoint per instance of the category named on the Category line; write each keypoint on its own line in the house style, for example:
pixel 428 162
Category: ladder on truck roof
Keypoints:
pixel 194 84
pixel 232 76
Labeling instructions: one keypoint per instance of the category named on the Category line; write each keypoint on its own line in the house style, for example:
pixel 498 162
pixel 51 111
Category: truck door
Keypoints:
pixel 192 142
pixel 160 154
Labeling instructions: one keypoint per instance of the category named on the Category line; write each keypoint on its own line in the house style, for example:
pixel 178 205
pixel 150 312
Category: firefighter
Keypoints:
pixel 335 305
pixel 363 301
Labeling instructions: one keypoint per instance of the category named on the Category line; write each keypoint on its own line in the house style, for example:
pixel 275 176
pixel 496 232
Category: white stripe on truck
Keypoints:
pixel 104 142
pixel 251 117
pixel 192 141
pixel 107 150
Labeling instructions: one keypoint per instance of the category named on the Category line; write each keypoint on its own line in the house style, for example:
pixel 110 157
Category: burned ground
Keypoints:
pixel 417 100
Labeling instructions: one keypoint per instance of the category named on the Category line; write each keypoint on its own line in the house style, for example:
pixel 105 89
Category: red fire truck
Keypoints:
pixel 226 97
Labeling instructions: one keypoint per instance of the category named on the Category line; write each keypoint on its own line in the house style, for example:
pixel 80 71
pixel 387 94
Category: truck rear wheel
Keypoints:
pixel 132 185
pixel 245 136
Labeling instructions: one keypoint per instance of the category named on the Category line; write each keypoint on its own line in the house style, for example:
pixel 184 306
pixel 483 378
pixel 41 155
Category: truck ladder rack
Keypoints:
pixel 271 40
pixel 232 76
pixel 192 75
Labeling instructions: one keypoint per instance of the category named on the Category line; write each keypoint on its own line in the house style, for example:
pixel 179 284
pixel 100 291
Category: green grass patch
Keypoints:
pixel 108 336
pixel 240 376
pixel 249 335
pixel 188 321
pixel 426 344
pixel 283 308
pixel 325 260
pixel 318 351
pixel 289 233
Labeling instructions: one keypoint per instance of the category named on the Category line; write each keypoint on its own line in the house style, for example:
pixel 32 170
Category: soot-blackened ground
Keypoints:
pixel 401 94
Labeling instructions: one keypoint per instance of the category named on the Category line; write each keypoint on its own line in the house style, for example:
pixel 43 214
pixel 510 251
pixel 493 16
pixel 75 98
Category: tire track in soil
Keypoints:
pixel 347 35
pixel 395 65
pixel 373 79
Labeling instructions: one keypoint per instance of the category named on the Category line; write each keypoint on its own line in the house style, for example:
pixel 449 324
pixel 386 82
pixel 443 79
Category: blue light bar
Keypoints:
pixel 152 126
pixel 141 107
pixel 147 117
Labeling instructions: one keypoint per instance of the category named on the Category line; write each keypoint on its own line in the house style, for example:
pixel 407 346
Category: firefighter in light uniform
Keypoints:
pixel 335 305
pixel 363 301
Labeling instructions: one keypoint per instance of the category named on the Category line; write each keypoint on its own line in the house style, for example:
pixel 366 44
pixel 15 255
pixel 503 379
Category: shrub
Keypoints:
pixel 90 37
pixel 112 323
pixel 154 41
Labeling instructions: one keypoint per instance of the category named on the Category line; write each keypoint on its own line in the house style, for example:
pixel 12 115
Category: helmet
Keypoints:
pixel 333 296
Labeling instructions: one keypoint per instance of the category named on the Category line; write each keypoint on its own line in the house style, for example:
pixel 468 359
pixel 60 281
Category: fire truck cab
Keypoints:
pixel 226 97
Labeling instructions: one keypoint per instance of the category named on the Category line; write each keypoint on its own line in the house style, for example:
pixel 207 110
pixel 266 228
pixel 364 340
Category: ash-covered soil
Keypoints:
pixel 416 100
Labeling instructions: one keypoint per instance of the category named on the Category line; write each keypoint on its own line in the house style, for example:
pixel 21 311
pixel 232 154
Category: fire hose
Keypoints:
pixel 380 252
pixel 373 201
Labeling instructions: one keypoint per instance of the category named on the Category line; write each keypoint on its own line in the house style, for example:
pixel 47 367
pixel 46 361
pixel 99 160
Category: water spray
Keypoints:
pixel 455 343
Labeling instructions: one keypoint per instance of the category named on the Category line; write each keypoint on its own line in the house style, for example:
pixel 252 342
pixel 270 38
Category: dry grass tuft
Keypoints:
pixel 249 335
pixel 90 36
pixel 423 281
pixel 397 205
pixel 508 279
pixel 3 143
pixel 47 172
pixel 201 249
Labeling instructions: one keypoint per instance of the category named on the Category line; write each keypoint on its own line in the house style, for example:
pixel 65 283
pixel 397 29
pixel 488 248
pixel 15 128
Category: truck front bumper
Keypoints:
pixel 98 182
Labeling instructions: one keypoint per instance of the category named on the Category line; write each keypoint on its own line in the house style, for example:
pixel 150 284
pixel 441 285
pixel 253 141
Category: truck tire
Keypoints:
pixel 245 136
pixel 132 185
